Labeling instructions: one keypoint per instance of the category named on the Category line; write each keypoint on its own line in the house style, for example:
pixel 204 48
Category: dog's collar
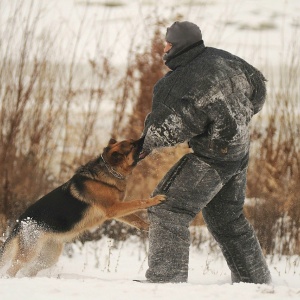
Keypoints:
pixel 111 170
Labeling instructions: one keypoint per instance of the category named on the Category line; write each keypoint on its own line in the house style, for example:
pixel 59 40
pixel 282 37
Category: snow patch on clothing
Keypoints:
pixel 167 134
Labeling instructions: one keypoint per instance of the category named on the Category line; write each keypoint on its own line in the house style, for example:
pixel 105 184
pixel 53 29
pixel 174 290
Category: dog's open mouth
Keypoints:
pixel 143 154
pixel 139 153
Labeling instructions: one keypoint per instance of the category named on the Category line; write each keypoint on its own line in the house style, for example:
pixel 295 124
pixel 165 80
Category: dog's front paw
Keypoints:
pixel 158 199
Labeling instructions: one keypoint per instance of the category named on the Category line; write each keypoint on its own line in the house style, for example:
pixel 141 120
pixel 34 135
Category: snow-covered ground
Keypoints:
pixel 105 270
pixel 259 31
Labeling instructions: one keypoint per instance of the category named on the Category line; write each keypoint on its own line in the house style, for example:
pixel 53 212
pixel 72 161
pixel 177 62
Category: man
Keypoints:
pixel 208 99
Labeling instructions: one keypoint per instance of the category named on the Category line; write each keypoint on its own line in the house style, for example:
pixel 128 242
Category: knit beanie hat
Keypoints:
pixel 181 35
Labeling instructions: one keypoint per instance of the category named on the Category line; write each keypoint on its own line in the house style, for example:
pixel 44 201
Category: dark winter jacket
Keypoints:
pixel 208 99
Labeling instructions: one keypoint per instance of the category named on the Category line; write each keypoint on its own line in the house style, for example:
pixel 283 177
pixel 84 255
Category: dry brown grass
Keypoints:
pixel 143 71
pixel 274 171
pixel 37 119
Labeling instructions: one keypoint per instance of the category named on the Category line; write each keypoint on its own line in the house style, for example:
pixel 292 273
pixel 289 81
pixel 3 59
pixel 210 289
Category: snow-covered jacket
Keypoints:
pixel 208 99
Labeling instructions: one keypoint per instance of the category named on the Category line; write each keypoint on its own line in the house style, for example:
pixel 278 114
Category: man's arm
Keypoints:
pixel 258 82
pixel 166 127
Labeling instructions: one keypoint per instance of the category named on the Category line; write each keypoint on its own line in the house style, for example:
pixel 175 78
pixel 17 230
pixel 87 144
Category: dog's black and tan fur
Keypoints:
pixel 90 197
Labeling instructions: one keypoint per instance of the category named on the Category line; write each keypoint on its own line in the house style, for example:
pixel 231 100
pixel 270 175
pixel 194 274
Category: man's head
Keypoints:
pixel 180 36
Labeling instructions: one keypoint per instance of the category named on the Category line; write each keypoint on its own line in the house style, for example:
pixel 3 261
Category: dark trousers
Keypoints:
pixel 218 189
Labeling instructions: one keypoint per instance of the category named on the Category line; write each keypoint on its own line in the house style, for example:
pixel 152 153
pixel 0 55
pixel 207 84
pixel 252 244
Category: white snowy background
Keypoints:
pixel 259 31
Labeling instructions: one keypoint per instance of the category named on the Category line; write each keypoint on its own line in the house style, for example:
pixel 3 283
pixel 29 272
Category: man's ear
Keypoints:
pixel 112 141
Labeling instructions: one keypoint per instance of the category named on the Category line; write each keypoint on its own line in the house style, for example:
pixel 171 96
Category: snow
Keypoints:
pixel 106 270
pixel 258 30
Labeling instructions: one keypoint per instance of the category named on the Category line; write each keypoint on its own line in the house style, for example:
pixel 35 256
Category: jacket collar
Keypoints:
pixel 182 58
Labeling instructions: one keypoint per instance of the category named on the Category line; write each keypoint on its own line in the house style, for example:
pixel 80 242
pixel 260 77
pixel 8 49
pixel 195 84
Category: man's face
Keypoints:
pixel 168 47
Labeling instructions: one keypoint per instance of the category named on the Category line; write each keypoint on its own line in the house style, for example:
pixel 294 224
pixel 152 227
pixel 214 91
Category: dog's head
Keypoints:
pixel 123 156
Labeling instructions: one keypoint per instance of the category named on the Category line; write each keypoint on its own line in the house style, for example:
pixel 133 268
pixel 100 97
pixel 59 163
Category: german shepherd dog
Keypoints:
pixel 92 196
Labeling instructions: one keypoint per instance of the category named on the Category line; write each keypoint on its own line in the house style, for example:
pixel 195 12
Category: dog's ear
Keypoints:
pixel 112 141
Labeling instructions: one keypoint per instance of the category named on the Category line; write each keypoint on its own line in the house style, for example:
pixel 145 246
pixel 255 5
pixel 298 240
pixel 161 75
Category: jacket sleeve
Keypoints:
pixel 258 82
pixel 166 127
pixel 260 91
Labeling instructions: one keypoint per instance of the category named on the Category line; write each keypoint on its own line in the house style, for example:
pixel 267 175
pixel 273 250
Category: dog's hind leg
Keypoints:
pixel 20 258
pixel 27 247
pixel 47 257
pixel 8 250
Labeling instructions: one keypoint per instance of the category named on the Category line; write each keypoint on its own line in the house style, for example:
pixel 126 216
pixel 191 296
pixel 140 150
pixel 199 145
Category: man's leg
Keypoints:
pixel 189 186
pixel 236 237
pixel 168 247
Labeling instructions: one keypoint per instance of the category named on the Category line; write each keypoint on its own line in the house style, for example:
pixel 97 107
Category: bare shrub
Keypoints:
pixel 274 171
pixel 144 69
pixel 41 140
pixel 26 116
